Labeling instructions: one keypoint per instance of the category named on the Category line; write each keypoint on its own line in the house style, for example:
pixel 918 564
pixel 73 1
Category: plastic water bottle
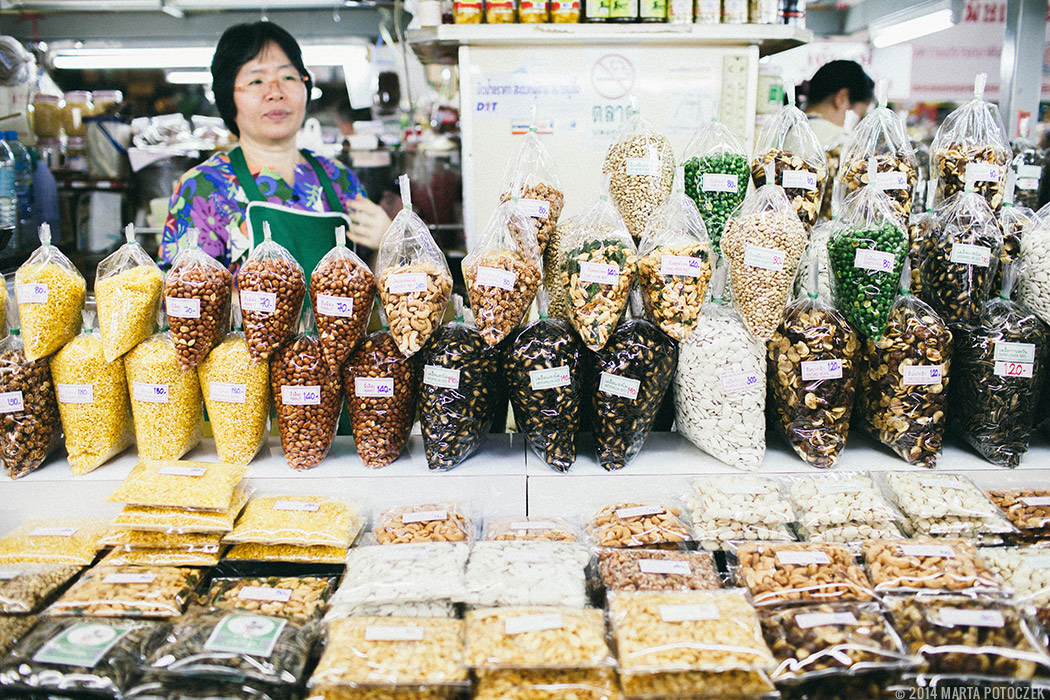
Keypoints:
pixel 23 180
pixel 8 194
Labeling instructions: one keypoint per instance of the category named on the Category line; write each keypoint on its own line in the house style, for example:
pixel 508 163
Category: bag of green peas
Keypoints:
pixel 866 258
pixel 716 175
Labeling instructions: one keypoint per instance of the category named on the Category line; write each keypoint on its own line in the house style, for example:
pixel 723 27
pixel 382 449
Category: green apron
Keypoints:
pixel 307 235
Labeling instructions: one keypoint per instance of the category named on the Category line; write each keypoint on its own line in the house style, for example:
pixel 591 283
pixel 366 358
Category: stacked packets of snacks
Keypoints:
pixel 739 507
pixel 299 529
pixel 843 508
pixel 158 592
pixel 945 505
pixel 70 541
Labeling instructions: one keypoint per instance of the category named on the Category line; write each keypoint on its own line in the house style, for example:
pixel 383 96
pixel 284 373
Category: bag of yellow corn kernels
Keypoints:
pixel 237 395
pixel 92 400
pixel 128 287
pixel 50 293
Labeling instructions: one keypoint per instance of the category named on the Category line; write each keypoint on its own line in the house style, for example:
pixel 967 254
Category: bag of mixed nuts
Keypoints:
pixel 921 226
pixel 640 165
pixel 197 297
pixel 271 286
pixel 788 143
pixel 128 285
pixel 1015 221
pixel 50 293
pixel 342 290
pixel 533 177
pixel 716 175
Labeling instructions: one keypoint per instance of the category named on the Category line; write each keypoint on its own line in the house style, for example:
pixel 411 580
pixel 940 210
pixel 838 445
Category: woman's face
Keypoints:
pixel 270 97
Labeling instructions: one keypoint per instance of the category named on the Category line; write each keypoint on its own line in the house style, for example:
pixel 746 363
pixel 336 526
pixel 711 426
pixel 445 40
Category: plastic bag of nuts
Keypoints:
pixel 128 286
pixel 528 684
pixel 1027 165
pixel 971 148
pixel 282 596
pixel 427 522
pixel 716 175
pixel 637 525
pixel 543 529
pixel 1023 571
pixel 657 570
pixel 131 591
pixel 921 226
pixel 413 278
pixel 30 426
pixel 271 286
pixel 925 564
pixel 26 588
pixel 536 637
pixel 236 393
pixel 552 281
pixel 1027 508
pixel 674 265
pixel 802 572
pixel 1033 284
pixel 640 163
pixel 342 290
pixel 817 250
pixel 502 272
pixel 50 293
pixel 197 296
pixel 166 400
pixel 380 386
pixel 789 154
pixel 532 176
pixel 1016 222
pixel 763 244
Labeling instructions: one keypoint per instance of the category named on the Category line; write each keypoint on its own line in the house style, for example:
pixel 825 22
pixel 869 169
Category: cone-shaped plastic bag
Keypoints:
pixel 716 175
pixel 866 258
pixel 502 272
pixel 1033 284
pixel 597 261
pixel 197 296
pixel 788 143
pixel 1016 222
pixel 557 298
pixel 128 285
pixel 413 277
pixel 271 285
pixel 533 177
pixel 763 243
pixel 342 291
pixel 1027 169
pixel 971 147
pixel 92 400
pixel 674 264
pixel 50 293
pixel 818 248
pixel 640 164
pixel 831 198
pixel 920 228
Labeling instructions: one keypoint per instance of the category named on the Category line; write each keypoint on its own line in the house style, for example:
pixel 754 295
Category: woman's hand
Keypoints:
pixel 368 222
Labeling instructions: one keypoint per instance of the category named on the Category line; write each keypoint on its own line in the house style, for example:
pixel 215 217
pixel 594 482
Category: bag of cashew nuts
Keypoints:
pixel 531 176
pixel 413 278
pixel 999 374
pixel 197 295
pixel 818 250
pixel 597 262
pixel 128 285
pixel 457 391
pixel 1016 222
pixel 763 244
pixel 674 264
pixel 542 365
pixel 502 272
pixel 640 165
pixel 957 262
pixel 271 286
pixel 380 386
pixel 307 397
pixel 787 142
pixel 50 294
pixel 904 380
pixel 971 147
pixel 342 290
pixel 716 175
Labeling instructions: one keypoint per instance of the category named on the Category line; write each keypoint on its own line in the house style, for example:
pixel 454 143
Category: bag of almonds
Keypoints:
pixel 971 147
pixel 532 176
pixel 542 365
pixel 50 293
pixel 459 373
pixel 597 262
pixel 502 272
pixel 787 142
pixel 999 373
pixel 128 285
pixel 640 165
pixel 674 264
pixel 197 295
pixel 380 386
pixel 307 397
pixel 342 290
pixel 716 175
pixel 271 286
pixel 413 278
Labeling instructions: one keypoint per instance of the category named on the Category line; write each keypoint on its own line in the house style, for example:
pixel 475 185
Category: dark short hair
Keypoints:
pixel 835 75
pixel 240 44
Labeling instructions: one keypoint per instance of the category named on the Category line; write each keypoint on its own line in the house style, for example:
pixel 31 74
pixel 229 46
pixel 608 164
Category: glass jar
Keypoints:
pixel 106 101
pixel 764 12
pixel 596 11
pixel 500 12
pixel 734 11
pixel 770 98
pixel 680 12
pixel 623 10
pixel 76 155
pixel 533 12
pixel 47 116
pixel 708 11
pixel 565 11
pixel 78 106
pixel 466 11
pixel 652 11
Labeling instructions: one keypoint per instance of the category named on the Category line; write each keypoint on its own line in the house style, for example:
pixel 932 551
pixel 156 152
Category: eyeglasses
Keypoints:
pixel 258 86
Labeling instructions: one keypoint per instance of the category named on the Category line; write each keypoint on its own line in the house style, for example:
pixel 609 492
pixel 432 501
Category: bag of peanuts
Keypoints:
pixel 307 397
pixel 817 250
pixel 502 272
pixel 866 257
pixel 271 286
pixel 542 365
pixel 413 278
pixel 50 294
pixel 342 290
pixel 971 147
pixel 999 374
pixel 380 386
pixel 128 285
pixel 719 388
pixel 787 142
pixel 92 400
pixel 957 261
pixel 531 176
pixel 640 166
pixel 763 243
pixel 597 262
pixel 716 175
pixel 1016 222
pixel 197 296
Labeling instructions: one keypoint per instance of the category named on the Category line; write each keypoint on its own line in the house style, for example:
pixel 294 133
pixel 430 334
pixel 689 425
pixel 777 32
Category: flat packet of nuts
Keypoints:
pixel 532 176
pixel 198 293
pixel 527 573
pixel 26 588
pixel 50 294
pixel 529 684
pixel 640 167
pixel 128 288
pixel 788 145
pixel 657 570
pixel 271 287
pixel 342 291
pixel 424 522
pixel 129 591
pixel 752 500
pixel 1024 572
pixel 631 524
pixel 1027 507
pixel 286 554
pixel 423 608
pixel 778 573
pixel 533 637
pixel 926 564
pixel 697 685
pixel 207 555
pixel 839 498
pixel 296 597
pixel 129 539
pixel 236 393
pixel 184 521
pixel 716 174
pixel 381 387
pixel 410 573
pixel 544 529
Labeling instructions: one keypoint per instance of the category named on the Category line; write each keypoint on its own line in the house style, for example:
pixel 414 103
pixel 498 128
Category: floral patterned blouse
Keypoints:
pixel 209 198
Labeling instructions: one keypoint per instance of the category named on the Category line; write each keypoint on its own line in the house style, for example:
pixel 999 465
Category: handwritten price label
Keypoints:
pixel 816 370
pixel 226 392
pixel 689 613
pixel 391 633
pixel 76 393
pixel 441 377
pixel 599 273
pixel 1020 370
pixel 649 167
pixel 258 302
pixel 839 619
pixel 982 172
pixel 664 567
pixel 921 375
pixel 424 516
pixel 739 382
pixel 895 180
pixel 495 277
pixel 874 260
pixel 716 182
pixel 374 388
pixel 536 208
pixel 962 617
pixel 53 532
pixel 301 395
pixel 149 393
pixel 341 307
pixel 407 283
pixel 765 258
pixel 615 385
pixel 533 623
pixel 553 378
pixel 638 512
pixel 297 506
pixel 182 308
pixel 974 255
pixel 31 293
pixel 12 402
pixel 681 266
pixel 1014 352
pixel 799 180
pixel 124 579
pixel 802 558
pixel 195 472
pixel 270 595
pixel 927 550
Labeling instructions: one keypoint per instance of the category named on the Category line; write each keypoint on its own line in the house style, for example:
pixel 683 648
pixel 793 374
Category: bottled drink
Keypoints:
pixel 8 196
pixel 23 181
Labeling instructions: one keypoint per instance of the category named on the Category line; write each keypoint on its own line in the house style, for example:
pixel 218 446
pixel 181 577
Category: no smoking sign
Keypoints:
pixel 612 76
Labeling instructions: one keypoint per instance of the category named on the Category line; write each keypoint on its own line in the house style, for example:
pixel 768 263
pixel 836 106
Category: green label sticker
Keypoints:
pixel 253 635
pixel 81 645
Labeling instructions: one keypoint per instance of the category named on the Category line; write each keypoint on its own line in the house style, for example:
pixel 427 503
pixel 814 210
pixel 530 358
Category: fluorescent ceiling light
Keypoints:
pixel 913 29
pixel 189 77
pixel 914 20
pixel 190 56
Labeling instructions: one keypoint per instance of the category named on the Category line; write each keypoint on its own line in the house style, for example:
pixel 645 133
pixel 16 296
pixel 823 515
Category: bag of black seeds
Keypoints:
pixel 716 175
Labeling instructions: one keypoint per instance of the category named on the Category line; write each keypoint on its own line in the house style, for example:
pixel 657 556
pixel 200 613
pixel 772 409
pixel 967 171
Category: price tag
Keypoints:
pixel 533 623
pixel 259 302
pixel 374 387
pixel 765 258
pixel 717 182
pixel 401 554
pixel 441 377
pixel 226 392
pixel 9 574
pixel 638 511
pixel 599 273
pixel 270 595
pixel 982 172
pixel 689 613
pixel 745 489
pixel 495 277
pixel 552 378
pixel 536 208
pixel 840 619
pixel 204 549
pixel 816 370
pixel 663 566
pixel 301 395
pixel 172 470
pixel 916 375
pixel 122 579
pixel 407 283
pixel 1038 561
pixel 391 633
pixel 874 260
pixel 11 402
pixel 650 167
pixel 802 558
pixel 836 487
pixel 339 307
pixel 739 382
pixel 182 308
pixel 1036 501
pixel 424 516
pixel 895 180
pixel 527 557
pixel 974 255
pixel 1021 370
pixel 616 385
pixel 1014 352
pixel 799 180
pixel 927 550
pixel 944 482
pixel 952 617
pixel 300 506
pixel 1027 183
pixel 681 266
pixel 532 525
pixel 76 393
pixel 31 293
pixel 149 393
pixel 53 532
